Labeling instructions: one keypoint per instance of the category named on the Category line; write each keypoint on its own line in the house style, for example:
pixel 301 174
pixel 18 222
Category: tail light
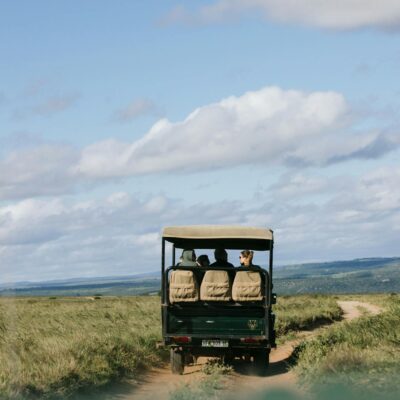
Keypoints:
pixel 250 340
pixel 181 339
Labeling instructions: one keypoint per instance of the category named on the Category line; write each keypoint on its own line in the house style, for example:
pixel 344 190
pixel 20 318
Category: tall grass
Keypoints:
pixel 56 346
pixel 304 312
pixel 364 353
pixel 52 347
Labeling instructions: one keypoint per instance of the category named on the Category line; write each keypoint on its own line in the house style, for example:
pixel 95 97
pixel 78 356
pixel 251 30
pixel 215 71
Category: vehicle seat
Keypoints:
pixel 215 286
pixel 183 287
pixel 247 286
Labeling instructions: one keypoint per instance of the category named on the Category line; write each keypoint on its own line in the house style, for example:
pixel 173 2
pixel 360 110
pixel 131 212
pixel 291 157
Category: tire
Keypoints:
pixel 261 362
pixel 228 359
pixel 189 359
pixel 177 362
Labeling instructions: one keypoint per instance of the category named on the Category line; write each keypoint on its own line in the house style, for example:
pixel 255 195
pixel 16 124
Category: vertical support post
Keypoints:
pixel 163 291
pixel 173 256
pixel 163 277
pixel 271 260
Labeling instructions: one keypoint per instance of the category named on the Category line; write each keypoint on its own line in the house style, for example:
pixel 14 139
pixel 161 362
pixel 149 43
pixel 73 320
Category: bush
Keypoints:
pixel 364 353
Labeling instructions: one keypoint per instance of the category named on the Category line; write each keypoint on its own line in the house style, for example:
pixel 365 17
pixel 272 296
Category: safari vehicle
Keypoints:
pixel 217 311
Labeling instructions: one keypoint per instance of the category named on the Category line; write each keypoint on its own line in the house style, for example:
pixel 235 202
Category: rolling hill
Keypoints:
pixel 365 275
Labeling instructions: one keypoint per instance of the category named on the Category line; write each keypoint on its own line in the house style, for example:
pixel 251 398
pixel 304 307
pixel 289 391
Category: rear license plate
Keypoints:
pixel 214 343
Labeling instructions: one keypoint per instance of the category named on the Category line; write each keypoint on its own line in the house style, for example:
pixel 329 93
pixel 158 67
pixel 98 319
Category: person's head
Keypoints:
pixel 220 254
pixel 188 255
pixel 246 257
pixel 203 260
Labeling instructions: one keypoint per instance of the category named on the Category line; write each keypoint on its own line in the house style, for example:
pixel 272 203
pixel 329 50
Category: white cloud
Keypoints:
pixel 46 239
pixel 298 185
pixel 268 126
pixel 30 221
pixel 331 14
pixel 381 188
pixel 135 109
pixel 263 126
pixel 42 170
pixel 156 205
pixel 356 217
pixel 119 199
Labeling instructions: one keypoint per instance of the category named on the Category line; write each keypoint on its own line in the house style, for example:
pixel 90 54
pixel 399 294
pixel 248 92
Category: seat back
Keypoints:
pixel 215 286
pixel 247 286
pixel 183 287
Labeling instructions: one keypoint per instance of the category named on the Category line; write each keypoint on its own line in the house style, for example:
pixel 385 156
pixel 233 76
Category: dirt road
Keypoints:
pixel 280 376
pixel 354 309
pixel 159 383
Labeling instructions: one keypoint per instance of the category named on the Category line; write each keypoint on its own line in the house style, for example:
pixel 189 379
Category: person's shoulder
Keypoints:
pixel 222 264
pixel 187 264
pixel 214 264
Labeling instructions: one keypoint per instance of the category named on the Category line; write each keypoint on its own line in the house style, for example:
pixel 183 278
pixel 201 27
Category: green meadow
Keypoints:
pixel 57 346
pixel 362 355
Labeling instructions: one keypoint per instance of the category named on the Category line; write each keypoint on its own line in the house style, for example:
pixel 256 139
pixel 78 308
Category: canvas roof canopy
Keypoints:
pixel 212 236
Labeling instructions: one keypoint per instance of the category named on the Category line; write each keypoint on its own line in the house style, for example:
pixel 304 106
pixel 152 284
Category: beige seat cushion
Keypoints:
pixel 183 287
pixel 247 286
pixel 215 286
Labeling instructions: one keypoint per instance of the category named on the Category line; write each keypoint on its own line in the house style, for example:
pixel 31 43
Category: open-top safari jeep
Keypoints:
pixel 217 311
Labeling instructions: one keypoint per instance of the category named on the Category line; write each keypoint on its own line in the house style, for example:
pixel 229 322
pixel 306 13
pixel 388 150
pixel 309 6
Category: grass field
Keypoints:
pixel 363 355
pixel 304 312
pixel 55 346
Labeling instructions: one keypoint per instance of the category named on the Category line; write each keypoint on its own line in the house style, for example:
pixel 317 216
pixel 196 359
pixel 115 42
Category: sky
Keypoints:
pixel 120 118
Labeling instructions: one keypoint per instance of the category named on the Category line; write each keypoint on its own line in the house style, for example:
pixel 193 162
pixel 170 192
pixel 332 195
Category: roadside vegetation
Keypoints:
pixel 56 346
pixel 294 313
pixel 363 355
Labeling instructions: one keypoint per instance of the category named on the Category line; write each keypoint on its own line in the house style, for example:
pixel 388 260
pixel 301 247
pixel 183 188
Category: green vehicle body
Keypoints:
pixel 218 329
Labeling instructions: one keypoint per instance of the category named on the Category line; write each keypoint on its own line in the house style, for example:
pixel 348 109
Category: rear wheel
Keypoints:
pixel 189 359
pixel 261 362
pixel 228 359
pixel 177 362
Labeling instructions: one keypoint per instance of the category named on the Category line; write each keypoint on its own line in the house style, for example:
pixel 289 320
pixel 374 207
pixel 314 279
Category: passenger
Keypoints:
pixel 221 258
pixel 246 259
pixel 203 261
pixel 188 258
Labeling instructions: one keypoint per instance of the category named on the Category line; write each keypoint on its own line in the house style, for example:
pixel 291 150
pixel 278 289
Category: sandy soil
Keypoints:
pixel 159 383
pixel 354 309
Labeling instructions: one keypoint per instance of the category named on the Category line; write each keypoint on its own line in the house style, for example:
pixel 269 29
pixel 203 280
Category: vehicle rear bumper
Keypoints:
pixel 195 344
